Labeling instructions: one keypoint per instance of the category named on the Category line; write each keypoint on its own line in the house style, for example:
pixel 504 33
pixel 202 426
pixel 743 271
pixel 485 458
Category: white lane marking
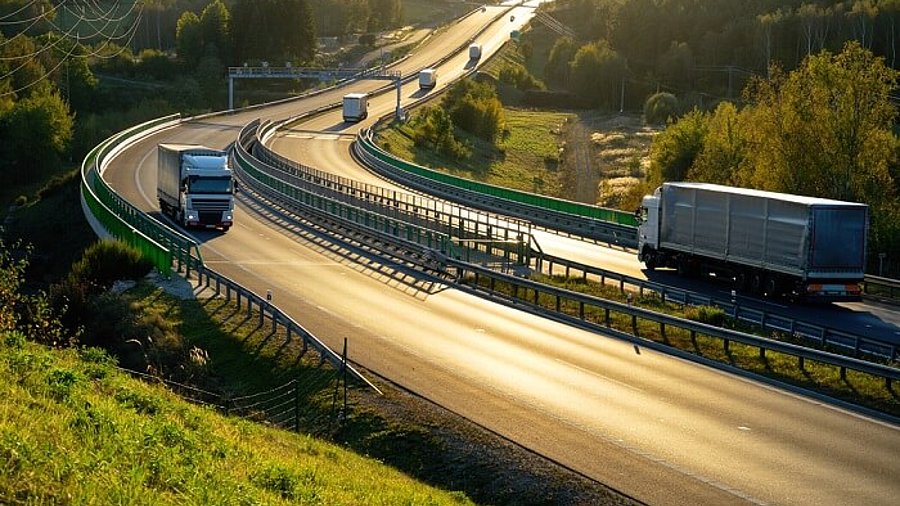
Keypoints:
pixel 601 376
pixel 137 178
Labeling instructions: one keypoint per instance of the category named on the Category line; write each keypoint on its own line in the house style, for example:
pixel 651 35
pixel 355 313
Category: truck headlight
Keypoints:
pixel 191 217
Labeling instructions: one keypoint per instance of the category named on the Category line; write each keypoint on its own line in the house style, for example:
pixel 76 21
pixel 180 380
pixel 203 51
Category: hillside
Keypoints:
pixel 74 429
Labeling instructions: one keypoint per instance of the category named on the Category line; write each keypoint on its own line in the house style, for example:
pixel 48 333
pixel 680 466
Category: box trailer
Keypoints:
pixel 767 243
pixel 356 107
pixel 427 79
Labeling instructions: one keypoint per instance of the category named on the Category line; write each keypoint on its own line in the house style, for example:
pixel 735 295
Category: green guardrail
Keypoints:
pixel 122 220
pixel 522 197
pixel 367 219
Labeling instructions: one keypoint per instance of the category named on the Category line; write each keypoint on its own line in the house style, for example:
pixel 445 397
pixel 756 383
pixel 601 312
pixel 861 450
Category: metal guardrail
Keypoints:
pixel 425 245
pixel 461 224
pixel 105 210
pixel 582 302
pixel 767 320
pixel 121 219
pixel 210 279
pixel 882 288
pixel 546 212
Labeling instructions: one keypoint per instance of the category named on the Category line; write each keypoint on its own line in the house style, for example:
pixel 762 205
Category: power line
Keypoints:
pixel 95 53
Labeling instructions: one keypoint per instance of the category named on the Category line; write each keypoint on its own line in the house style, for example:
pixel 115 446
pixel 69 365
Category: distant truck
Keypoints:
pixel 195 185
pixel 427 79
pixel 766 243
pixel 356 107
pixel 474 51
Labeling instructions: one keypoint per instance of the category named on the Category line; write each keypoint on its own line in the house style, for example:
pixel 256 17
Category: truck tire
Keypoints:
pixel 741 280
pixel 756 283
pixel 650 260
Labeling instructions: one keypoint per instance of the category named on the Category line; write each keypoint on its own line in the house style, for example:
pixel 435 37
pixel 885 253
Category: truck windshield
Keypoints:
pixel 209 184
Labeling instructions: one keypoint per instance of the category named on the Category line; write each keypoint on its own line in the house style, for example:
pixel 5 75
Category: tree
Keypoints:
pixel 825 129
pixel 214 30
pixel 725 157
pixel 561 55
pixel 35 134
pixel 674 150
pixel 597 72
pixel 474 107
pixel 384 14
pixel 676 65
pixel 273 30
pixel 188 38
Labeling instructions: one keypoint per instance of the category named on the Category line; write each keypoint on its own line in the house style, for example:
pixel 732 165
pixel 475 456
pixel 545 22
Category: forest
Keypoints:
pixel 789 96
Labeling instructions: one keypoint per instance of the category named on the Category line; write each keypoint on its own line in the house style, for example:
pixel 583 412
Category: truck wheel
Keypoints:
pixel 685 268
pixel 650 261
pixel 756 283
pixel 740 281
pixel 772 286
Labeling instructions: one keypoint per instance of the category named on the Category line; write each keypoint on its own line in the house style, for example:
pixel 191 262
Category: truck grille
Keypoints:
pixel 210 205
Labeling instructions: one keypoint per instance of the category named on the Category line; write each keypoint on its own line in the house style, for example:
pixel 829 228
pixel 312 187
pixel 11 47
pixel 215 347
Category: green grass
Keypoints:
pixel 527 158
pixel 857 388
pixel 73 429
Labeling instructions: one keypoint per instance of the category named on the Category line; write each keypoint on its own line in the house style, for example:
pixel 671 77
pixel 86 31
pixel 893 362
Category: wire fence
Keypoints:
pixel 286 406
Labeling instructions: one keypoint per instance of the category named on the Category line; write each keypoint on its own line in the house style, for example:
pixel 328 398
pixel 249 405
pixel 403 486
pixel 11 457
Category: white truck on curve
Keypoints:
pixel 356 107
pixel 427 79
pixel 195 185
pixel 766 243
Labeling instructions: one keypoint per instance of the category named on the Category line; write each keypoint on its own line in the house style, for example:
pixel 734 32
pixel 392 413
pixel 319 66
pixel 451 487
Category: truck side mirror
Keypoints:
pixel 236 189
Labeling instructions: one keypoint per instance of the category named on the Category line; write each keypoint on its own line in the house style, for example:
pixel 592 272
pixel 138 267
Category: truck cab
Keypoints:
pixel 648 229
pixel 474 51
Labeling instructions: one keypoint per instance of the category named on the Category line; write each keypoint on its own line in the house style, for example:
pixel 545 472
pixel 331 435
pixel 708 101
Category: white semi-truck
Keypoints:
pixel 474 51
pixel 195 185
pixel 765 243
pixel 356 107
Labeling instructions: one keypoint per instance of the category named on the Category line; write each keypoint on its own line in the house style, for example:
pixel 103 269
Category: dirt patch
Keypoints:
pixel 606 156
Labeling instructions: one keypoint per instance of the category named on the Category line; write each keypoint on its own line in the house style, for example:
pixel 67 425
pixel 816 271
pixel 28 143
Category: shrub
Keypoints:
pixel 109 260
pixel 474 107
pixel 711 315
pixel 367 39
pixel 660 108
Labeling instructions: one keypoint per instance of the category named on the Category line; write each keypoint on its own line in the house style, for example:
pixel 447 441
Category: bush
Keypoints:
pixel 474 107
pixel 367 39
pixel 518 76
pixel 711 315
pixel 660 108
pixel 109 260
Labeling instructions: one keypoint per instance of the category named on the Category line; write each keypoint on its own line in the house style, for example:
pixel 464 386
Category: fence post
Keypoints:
pixel 344 374
pixel 297 404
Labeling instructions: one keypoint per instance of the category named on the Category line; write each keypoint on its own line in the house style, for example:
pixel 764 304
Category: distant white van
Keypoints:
pixel 427 79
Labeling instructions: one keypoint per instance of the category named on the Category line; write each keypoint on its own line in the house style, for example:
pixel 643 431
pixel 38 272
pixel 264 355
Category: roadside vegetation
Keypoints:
pixel 75 429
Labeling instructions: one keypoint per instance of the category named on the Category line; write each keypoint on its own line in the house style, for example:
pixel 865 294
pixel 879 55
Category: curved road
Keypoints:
pixel 659 428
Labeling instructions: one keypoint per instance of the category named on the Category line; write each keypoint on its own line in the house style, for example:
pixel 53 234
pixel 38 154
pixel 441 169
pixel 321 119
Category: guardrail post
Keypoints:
pixel 800 362
pixel 581 309
pixel 762 353
pixel 606 311
pixel 843 373
pixel 694 338
pixel 727 345
pixel 634 327
pixel 662 332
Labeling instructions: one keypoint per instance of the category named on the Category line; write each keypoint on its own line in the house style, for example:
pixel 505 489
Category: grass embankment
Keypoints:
pixel 75 430
pixel 526 157
pixel 857 388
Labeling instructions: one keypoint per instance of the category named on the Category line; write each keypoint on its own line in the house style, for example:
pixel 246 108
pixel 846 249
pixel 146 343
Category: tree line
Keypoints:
pixel 825 129
pixel 708 45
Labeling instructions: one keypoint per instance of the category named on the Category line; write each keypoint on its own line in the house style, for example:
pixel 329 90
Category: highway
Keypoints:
pixel 658 428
